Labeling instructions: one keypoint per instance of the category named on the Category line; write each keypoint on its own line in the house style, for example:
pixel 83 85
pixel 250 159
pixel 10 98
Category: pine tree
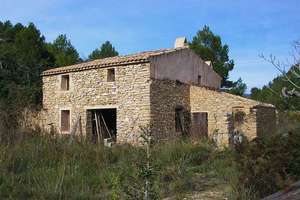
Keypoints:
pixel 209 47
pixel 23 56
pixel 64 52
pixel 106 50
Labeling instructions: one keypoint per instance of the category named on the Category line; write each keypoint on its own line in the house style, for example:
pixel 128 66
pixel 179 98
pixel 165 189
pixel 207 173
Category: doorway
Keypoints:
pixel 104 125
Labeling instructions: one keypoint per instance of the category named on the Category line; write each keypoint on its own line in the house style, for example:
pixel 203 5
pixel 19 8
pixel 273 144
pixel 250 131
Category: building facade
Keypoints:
pixel 171 91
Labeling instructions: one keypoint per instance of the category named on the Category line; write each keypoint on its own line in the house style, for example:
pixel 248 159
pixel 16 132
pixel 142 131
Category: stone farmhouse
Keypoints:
pixel 173 92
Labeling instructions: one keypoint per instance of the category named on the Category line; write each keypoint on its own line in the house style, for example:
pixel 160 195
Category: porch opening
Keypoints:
pixel 104 125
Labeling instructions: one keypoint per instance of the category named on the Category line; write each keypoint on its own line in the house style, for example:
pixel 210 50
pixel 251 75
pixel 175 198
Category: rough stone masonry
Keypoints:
pixel 171 91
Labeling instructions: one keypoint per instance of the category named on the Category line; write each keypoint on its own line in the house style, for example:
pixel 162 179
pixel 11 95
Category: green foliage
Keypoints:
pixel 209 47
pixel 64 52
pixel 270 164
pixel 106 50
pixel 239 88
pixel 23 56
pixel 47 167
pixel 272 93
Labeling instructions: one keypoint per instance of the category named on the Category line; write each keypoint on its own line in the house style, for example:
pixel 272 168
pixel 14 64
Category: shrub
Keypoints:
pixel 46 167
pixel 269 164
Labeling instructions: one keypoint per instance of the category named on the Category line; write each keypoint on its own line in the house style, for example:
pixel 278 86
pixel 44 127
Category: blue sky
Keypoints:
pixel 248 27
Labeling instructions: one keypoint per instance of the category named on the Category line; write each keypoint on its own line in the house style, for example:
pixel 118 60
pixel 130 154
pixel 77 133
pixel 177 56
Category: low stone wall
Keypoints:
pixel 220 107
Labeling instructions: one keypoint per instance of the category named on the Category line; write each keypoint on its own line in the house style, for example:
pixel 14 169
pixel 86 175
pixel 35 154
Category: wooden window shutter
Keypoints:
pixel 65 120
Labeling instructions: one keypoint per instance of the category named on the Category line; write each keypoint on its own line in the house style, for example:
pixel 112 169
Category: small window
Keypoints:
pixel 179 119
pixel 65 120
pixel 65 82
pixel 111 75
pixel 199 80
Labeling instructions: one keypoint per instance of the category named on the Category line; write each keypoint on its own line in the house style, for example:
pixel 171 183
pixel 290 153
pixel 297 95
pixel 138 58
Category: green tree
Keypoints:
pixel 272 93
pixel 284 90
pixel 239 88
pixel 23 56
pixel 106 50
pixel 64 52
pixel 209 47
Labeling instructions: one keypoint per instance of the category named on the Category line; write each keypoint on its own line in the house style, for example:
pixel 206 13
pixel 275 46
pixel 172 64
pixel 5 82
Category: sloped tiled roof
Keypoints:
pixel 142 57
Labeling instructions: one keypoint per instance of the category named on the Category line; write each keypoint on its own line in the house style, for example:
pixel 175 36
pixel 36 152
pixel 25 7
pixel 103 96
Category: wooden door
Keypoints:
pixel 199 127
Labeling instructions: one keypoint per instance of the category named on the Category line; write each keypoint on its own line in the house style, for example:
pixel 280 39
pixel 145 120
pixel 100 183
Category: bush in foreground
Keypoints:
pixel 41 167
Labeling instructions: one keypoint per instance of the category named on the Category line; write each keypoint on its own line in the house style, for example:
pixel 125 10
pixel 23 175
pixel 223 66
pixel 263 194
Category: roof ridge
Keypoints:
pixel 140 57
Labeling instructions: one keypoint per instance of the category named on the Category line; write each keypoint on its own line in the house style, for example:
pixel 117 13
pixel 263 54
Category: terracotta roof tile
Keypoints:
pixel 142 57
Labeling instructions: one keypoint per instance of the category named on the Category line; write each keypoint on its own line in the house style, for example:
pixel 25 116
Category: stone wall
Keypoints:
pixel 33 119
pixel 142 101
pixel 166 96
pixel 220 107
pixel 129 94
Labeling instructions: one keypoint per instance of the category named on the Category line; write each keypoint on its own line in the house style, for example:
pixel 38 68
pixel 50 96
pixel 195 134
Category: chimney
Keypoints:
pixel 208 62
pixel 180 42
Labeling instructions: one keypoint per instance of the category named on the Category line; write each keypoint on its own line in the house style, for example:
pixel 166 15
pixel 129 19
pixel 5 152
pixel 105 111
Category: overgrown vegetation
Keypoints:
pixel 42 167
pixel 37 166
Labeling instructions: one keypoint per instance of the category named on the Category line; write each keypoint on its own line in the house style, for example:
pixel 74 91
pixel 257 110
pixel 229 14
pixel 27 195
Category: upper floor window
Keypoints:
pixel 111 75
pixel 65 82
pixel 199 79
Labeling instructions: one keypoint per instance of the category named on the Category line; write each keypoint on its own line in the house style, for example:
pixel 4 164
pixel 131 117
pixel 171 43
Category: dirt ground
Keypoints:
pixel 206 188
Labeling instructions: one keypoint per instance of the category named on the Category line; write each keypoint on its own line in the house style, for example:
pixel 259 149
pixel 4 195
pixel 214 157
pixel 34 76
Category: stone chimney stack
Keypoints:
pixel 180 42
pixel 208 62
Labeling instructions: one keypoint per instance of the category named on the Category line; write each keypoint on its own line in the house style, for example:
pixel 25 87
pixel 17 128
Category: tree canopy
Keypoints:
pixel 23 56
pixel 272 93
pixel 63 50
pixel 238 88
pixel 106 50
pixel 209 46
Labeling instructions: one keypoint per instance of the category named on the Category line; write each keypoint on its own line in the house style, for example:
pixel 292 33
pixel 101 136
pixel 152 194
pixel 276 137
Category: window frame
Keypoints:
pixel 111 75
pixel 179 127
pixel 199 79
pixel 62 82
pixel 61 120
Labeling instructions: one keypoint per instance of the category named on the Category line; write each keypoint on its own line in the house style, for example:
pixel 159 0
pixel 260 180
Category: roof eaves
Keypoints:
pixel 95 66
